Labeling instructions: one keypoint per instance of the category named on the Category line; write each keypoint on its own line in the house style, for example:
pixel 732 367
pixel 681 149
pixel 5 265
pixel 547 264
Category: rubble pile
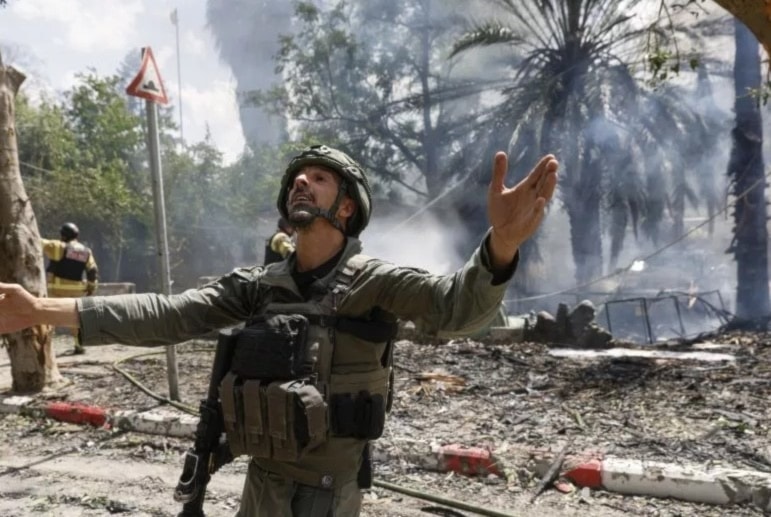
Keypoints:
pixel 522 404
pixel 575 327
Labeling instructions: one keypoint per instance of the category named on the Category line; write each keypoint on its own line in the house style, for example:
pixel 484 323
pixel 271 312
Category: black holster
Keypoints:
pixel 364 477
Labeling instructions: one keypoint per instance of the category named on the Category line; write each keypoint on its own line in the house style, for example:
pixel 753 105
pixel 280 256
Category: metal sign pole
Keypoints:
pixel 161 238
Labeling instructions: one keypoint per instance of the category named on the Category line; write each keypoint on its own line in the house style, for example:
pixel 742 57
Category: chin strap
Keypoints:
pixel 329 215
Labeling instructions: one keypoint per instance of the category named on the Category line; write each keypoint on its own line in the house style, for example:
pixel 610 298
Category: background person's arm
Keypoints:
pixel 52 249
pixel 92 275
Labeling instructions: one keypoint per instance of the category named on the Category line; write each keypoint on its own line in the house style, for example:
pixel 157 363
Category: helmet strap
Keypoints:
pixel 330 215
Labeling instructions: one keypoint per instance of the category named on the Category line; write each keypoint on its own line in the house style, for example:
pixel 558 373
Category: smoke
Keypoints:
pixel 247 35
pixel 427 241
pixel 431 240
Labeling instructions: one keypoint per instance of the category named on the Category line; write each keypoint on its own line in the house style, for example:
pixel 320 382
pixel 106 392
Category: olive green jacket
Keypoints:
pixel 441 305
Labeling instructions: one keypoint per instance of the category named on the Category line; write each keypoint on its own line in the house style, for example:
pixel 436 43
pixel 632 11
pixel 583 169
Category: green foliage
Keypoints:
pixel 45 138
pixel 75 157
pixel 252 183
pixel 492 33
pixel 658 63
pixel 662 53
pixel 761 94
pixel 84 159
pixel 104 128
pixel 372 77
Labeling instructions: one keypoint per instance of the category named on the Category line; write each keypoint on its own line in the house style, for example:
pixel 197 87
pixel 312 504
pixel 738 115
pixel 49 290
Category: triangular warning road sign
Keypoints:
pixel 147 84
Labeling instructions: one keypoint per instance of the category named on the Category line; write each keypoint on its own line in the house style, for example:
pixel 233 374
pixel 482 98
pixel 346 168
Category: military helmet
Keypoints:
pixel 69 231
pixel 353 181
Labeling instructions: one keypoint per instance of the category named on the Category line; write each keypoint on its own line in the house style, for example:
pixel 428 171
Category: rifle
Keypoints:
pixel 210 450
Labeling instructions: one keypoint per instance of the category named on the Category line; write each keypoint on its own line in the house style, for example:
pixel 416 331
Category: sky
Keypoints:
pixel 51 41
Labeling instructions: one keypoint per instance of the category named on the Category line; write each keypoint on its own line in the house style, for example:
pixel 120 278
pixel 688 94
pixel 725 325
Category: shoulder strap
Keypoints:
pixel 348 272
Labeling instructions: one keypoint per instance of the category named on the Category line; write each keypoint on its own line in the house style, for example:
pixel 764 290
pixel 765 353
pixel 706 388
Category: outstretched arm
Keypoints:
pixel 515 213
pixel 19 310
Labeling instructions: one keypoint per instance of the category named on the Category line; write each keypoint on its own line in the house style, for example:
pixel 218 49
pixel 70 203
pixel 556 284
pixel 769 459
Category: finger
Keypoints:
pixel 500 167
pixel 549 175
pixel 547 187
pixel 539 170
pixel 538 213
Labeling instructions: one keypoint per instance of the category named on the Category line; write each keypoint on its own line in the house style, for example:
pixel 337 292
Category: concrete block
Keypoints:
pixel 15 404
pixel 157 421
pixel 697 483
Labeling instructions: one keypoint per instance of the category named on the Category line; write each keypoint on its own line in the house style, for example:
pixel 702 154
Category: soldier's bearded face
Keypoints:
pixel 314 189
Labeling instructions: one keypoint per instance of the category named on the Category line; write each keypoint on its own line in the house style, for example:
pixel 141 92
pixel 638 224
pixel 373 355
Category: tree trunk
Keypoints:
pixel 585 239
pixel 33 364
pixel 755 15
pixel 745 168
pixel 583 207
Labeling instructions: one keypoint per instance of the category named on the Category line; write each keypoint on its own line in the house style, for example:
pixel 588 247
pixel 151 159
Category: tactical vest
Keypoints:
pixel 72 264
pixel 270 255
pixel 308 388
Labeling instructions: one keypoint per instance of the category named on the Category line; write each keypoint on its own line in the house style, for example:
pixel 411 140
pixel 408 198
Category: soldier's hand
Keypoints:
pixel 17 308
pixel 516 212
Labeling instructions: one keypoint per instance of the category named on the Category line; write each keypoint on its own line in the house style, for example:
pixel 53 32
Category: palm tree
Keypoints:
pixel 575 93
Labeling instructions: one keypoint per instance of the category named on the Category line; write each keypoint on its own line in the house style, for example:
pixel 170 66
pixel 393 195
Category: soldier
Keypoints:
pixel 279 245
pixel 320 329
pixel 72 270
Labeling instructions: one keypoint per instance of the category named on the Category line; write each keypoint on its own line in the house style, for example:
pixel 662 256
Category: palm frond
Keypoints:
pixel 485 35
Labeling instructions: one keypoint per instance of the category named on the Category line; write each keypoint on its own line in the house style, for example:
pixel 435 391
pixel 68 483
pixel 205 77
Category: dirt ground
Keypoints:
pixel 505 396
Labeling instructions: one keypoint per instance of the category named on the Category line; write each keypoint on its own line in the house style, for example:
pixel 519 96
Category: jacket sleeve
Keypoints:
pixel 52 249
pixel 151 319
pixel 444 305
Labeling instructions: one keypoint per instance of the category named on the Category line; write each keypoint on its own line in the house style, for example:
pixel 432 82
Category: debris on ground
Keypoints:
pixel 512 399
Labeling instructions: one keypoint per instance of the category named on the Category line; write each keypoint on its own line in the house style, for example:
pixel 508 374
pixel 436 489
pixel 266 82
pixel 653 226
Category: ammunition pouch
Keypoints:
pixel 275 407
pixel 280 420
pixel 297 419
pixel 357 404
pixel 359 415
pixel 272 348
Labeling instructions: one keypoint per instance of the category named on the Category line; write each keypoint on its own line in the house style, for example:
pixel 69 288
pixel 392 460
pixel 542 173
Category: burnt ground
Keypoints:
pixel 509 397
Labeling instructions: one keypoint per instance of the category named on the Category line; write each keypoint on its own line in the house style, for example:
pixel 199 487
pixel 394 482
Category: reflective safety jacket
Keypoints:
pixel 346 365
pixel 68 263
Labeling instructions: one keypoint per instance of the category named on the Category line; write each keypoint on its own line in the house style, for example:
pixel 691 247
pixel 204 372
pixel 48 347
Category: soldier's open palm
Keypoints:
pixel 516 212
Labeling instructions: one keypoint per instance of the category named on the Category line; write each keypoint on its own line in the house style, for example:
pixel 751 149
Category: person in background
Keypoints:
pixel 281 244
pixel 72 271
